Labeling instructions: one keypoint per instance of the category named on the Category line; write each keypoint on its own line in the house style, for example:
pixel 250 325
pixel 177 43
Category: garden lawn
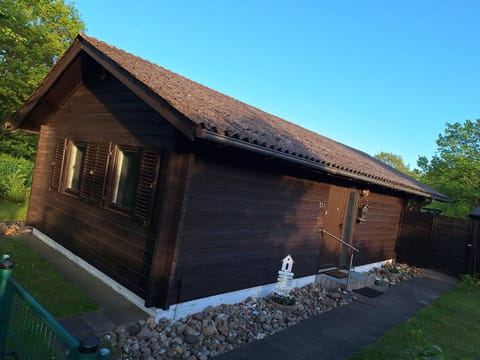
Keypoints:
pixel 35 274
pixel 13 211
pixel 451 323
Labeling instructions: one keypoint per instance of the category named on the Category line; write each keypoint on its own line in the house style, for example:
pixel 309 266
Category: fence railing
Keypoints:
pixel 29 331
pixel 353 250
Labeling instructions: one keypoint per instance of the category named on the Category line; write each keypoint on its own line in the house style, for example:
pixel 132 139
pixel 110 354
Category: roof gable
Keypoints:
pixel 196 110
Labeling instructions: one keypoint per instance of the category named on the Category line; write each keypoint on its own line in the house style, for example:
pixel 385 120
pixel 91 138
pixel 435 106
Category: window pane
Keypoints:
pixel 75 168
pixel 125 178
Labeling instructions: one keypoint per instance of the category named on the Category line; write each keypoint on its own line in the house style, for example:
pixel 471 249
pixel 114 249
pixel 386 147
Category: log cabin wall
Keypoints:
pixel 99 110
pixel 377 237
pixel 240 218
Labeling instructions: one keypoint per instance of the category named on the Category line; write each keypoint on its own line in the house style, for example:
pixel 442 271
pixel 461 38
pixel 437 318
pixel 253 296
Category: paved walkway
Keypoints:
pixel 113 309
pixel 339 333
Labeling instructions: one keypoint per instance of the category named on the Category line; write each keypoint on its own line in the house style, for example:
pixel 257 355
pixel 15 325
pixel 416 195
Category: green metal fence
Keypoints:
pixel 29 332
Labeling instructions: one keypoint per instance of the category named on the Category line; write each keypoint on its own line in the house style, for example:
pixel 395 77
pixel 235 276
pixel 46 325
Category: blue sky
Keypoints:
pixel 374 75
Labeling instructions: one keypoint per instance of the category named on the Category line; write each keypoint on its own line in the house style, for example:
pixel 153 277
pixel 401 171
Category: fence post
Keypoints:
pixel 6 266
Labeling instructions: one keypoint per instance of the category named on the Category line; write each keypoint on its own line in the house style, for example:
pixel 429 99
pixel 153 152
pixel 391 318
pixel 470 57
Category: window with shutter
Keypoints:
pixel 57 165
pixel 125 178
pixel 147 179
pixel 74 167
pixel 84 170
pixel 94 172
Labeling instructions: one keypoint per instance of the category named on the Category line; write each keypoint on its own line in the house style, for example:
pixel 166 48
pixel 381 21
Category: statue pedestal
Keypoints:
pixel 284 282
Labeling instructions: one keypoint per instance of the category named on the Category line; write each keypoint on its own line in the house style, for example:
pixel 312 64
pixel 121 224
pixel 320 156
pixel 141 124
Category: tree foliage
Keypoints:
pixel 15 178
pixel 33 35
pixel 454 169
pixel 19 145
pixel 396 161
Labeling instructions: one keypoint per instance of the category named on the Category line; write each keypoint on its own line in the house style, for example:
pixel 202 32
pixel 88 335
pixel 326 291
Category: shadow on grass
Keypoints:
pixel 12 211
pixel 40 279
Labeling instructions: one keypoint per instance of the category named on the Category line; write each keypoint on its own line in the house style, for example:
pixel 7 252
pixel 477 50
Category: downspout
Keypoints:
pixel 210 136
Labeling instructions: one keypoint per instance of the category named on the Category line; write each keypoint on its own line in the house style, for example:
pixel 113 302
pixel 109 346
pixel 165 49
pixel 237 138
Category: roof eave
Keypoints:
pixel 210 136
pixel 70 54
pixel 179 121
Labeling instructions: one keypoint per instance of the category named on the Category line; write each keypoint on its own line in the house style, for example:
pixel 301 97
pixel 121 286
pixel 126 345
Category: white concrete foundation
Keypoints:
pixel 120 289
pixel 180 310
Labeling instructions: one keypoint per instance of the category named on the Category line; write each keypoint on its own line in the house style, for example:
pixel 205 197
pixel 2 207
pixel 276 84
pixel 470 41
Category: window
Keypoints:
pixel 75 167
pixel 125 178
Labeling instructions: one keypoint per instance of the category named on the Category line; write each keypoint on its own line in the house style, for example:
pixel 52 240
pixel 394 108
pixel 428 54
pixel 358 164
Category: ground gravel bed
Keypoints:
pixel 11 228
pixel 216 330
pixel 393 273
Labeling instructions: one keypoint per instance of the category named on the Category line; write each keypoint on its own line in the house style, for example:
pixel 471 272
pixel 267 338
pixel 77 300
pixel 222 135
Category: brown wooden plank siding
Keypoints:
pixel 238 223
pixel 376 239
pixel 100 110
pixel 175 177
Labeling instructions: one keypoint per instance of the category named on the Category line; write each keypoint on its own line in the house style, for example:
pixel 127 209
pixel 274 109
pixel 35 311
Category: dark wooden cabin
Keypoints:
pixel 179 192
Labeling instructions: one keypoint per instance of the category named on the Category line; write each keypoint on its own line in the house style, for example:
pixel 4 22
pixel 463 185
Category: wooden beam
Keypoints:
pixel 171 204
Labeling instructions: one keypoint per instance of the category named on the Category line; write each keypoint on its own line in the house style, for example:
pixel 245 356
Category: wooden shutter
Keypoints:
pixel 94 173
pixel 147 180
pixel 57 165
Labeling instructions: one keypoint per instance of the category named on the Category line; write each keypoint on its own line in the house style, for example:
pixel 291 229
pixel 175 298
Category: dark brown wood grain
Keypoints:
pixel 100 111
pixel 239 223
pixel 377 237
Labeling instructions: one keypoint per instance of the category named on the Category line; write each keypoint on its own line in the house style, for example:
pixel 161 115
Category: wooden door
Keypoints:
pixel 333 223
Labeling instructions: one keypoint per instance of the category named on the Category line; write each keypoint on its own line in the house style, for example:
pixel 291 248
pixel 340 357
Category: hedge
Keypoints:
pixel 15 178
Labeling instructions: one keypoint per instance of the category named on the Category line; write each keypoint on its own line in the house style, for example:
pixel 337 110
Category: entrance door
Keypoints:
pixel 338 222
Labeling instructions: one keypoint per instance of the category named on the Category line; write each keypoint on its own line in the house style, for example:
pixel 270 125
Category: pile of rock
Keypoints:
pixel 11 228
pixel 393 273
pixel 223 328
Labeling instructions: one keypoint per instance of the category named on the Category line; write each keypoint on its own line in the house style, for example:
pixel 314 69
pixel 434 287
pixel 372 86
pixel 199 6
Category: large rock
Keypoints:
pixel 146 333
pixel 209 330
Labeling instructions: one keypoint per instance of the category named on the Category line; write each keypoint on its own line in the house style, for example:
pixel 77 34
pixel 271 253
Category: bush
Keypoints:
pixel 470 281
pixel 15 178
pixel 19 144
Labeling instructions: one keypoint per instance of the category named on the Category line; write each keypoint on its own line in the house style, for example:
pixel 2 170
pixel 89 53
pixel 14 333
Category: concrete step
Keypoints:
pixel 357 280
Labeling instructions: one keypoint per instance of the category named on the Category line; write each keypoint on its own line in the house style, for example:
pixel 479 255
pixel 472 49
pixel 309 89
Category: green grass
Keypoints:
pixel 13 211
pixel 451 323
pixel 35 274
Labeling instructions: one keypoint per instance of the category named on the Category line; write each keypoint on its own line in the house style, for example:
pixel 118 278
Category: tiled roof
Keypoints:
pixel 231 118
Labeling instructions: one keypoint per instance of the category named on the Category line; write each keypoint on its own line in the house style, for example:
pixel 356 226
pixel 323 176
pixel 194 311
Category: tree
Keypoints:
pixel 454 169
pixel 396 161
pixel 33 35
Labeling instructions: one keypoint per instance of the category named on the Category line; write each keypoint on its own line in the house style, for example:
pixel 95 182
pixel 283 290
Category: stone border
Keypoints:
pixel 219 329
